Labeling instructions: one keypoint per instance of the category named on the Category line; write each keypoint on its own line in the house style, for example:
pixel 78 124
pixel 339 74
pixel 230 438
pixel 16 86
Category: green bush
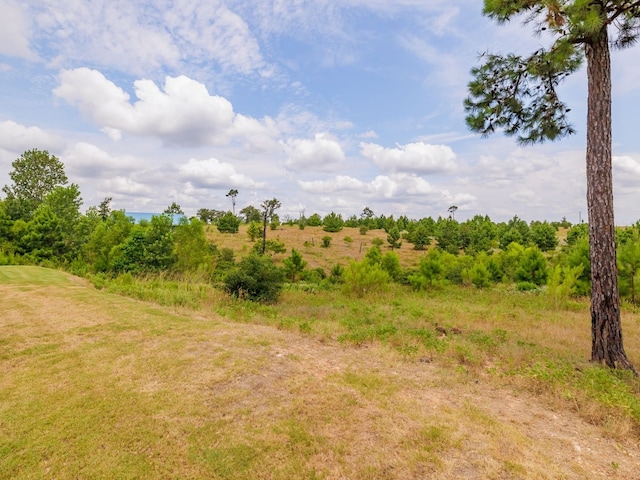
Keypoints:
pixel 362 278
pixel 255 278
pixel 326 241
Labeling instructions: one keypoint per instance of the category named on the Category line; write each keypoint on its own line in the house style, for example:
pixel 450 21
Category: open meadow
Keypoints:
pixel 104 386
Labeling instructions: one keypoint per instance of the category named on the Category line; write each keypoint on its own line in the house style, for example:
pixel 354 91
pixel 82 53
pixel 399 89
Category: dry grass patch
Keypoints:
pixel 97 386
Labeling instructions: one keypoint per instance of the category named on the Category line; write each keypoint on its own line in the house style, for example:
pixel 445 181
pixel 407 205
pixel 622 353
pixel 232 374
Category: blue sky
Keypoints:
pixel 325 105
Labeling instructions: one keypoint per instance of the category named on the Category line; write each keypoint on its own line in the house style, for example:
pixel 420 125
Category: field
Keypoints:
pixel 100 385
pixel 346 245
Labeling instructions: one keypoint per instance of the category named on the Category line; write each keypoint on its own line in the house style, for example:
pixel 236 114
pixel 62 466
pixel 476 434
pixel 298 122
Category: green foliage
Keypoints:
pixel 332 223
pixel 390 263
pixel 43 237
pixel 544 235
pixel 271 246
pixel 192 249
pixel 533 267
pixel 251 214
pixel 393 238
pixel 429 273
pixel 35 175
pixel 578 255
pixel 420 237
pixel 254 231
pixel 562 283
pixel 373 256
pixel 314 220
pixel 228 223
pixel 363 278
pixel 326 241
pixel 275 222
pixel 255 278
pixel 629 265
pixel 294 265
pixel 448 235
pixel 173 209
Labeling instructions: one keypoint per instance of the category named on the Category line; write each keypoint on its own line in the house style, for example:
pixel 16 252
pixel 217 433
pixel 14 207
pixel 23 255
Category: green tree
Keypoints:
pixel 105 240
pixel 429 273
pixel 43 238
pixel 254 230
pixel 420 237
pixel 35 175
pixel 533 267
pixel 544 236
pixel 315 220
pixel 173 209
pixel 228 223
pixel 268 209
pixel 192 249
pixel 332 222
pixel 393 238
pixel 294 265
pixel 518 94
pixel 104 209
pixel 251 214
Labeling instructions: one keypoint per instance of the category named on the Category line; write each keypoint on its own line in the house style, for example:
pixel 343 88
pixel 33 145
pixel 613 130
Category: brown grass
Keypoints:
pixel 101 386
pixel 308 243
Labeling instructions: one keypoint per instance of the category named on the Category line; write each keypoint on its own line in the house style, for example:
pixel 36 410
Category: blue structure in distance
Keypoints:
pixel 139 216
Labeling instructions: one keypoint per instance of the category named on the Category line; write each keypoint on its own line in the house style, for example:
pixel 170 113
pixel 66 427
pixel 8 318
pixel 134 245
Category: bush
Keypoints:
pixel 228 223
pixel 255 278
pixel 326 241
pixel 362 278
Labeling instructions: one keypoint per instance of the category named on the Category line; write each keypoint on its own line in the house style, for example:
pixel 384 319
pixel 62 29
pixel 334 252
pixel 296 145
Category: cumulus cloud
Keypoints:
pixel 320 154
pixel 18 138
pixel 88 161
pixel 181 113
pixel 382 186
pixel 211 173
pixel 126 186
pixel 414 157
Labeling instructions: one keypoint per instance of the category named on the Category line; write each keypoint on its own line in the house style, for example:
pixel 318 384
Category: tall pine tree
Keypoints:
pixel 518 95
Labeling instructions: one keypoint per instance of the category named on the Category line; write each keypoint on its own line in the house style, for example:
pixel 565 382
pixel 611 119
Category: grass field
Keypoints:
pixel 98 385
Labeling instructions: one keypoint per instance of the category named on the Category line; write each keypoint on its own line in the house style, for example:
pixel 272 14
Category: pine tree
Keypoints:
pixel 519 96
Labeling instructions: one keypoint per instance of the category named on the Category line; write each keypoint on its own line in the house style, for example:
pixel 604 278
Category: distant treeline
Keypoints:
pixel 41 223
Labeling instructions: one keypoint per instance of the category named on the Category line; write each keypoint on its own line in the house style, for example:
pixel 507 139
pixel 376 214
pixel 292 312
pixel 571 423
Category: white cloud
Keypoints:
pixel 181 113
pixel 126 186
pixel 212 173
pixel 383 187
pixel 413 157
pixel 15 31
pixel 320 154
pixel 18 138
pixel 88 161
pixel 147 37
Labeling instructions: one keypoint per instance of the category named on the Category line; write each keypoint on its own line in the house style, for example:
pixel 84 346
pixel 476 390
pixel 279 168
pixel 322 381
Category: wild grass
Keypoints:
pixel 514 337
pixel 320 385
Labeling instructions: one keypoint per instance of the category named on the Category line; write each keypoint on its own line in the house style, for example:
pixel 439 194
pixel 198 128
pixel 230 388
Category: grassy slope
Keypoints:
pixel 96 385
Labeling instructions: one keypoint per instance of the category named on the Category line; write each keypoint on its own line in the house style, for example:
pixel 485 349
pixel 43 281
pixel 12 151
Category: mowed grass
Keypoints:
pixel 97 385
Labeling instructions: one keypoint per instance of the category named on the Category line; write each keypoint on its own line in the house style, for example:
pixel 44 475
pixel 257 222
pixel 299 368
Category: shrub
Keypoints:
pixel 326 241
pixel 228 223
pixel 362 278
pixel 255 278
pixel 332 222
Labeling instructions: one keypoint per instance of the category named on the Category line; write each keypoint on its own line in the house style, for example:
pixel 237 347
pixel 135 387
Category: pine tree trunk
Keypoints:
pixel 606 331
